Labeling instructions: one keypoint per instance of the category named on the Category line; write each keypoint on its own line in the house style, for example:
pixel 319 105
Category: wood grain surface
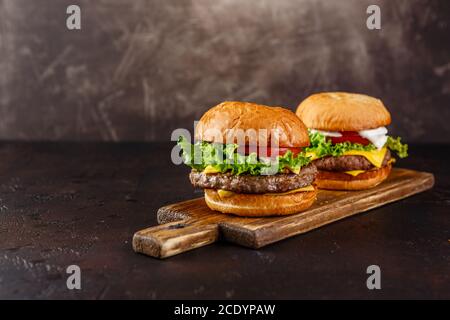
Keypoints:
pixel 191 224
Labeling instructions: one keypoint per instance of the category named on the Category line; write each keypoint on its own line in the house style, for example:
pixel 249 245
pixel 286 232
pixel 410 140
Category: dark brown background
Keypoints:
pixel 139 69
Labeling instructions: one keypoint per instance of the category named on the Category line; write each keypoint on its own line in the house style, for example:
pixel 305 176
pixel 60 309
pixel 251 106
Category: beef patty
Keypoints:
pixel 347 163
pixel 254 184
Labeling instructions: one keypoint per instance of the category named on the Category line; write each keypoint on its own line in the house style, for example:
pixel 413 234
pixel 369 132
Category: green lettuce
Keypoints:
pixel 323 147
pixel 225 158
pixel 395 144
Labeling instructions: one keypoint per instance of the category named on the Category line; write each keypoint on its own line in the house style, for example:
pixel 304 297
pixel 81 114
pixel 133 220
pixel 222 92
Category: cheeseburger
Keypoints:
pixel 249 159
pixel 349 142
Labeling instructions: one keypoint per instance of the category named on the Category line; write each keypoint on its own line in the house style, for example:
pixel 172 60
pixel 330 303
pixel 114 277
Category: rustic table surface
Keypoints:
pixel 80 203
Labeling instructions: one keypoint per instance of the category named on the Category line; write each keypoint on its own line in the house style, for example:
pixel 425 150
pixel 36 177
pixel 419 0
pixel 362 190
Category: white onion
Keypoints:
pixel 377 136
pixel 327 133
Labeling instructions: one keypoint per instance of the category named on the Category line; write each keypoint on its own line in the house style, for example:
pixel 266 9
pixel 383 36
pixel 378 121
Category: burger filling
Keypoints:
pixel 228 167
pixel 349 163
pixel 246 183
pixel 354 152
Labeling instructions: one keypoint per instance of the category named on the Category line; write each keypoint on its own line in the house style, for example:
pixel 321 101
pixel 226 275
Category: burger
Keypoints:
pixel 250 160
pixel 350 145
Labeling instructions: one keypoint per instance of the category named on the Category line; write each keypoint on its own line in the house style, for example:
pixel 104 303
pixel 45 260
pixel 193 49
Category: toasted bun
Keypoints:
pixel 342 181
pixel 221 123
pixel 341 111
pixel 260 205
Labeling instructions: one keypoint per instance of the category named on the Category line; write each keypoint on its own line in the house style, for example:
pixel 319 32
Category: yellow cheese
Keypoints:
pixel 296 171
pixel 312 155
pixel 226 193
pixel 354 172
pixel 210 169
pixel 375 157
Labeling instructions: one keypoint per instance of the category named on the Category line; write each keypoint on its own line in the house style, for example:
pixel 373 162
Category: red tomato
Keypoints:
pixel 349 136
pixel 272 151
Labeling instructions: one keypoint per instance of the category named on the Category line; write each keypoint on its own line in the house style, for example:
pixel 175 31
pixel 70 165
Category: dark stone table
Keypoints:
pixel 80 203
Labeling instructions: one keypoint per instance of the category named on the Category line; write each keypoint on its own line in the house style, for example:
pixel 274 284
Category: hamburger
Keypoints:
pixel 250 160
pixel 349 142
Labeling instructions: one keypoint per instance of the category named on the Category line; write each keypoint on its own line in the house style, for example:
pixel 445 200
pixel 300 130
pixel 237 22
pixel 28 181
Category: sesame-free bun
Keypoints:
pixel 221 124
pixel 334 180
pixel 341 111
pixel 260 205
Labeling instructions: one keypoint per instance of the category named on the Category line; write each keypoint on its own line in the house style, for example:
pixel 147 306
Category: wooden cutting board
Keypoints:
pixel 191 224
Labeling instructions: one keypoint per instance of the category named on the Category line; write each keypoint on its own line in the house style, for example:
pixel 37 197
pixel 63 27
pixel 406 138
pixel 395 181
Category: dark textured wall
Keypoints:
pixel 138 69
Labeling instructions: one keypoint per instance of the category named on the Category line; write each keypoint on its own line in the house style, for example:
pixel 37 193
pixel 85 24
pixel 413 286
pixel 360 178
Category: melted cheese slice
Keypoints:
pixel 226 193
pixel 312 155
pixel 354 172
pixel 375 157
pixel 296 171
pixel 358 172
pixel 210 169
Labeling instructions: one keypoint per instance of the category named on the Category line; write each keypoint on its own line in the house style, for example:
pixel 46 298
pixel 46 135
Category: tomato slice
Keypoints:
pixel 271 151
pixel 350 136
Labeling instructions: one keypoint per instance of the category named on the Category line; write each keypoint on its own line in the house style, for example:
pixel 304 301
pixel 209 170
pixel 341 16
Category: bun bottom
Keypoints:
pixel 333 180
pixel 260 205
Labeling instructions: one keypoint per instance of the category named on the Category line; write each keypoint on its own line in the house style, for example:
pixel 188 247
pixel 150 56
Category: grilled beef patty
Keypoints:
pixel 347 163
pixel 254 184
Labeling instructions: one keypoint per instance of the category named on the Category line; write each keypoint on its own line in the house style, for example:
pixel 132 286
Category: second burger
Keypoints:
pixel 349 142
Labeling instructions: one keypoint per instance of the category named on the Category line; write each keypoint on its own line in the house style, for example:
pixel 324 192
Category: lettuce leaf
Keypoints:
pixel 322 147
pixel 225 158
pixel 395 144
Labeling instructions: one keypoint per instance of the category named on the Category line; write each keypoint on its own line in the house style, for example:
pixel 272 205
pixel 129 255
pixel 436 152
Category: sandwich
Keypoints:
pixel 250 160
pixel 350 145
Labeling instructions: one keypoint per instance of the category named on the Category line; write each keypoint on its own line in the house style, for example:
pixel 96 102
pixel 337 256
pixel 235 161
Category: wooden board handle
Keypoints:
pixel 173 238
